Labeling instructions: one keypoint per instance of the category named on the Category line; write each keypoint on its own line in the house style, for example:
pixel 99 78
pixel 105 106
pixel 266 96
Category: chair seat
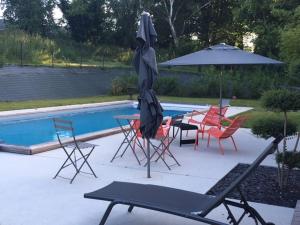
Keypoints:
pixel 186 126
pixel 155 197
pixel 81 145
pixel 216 132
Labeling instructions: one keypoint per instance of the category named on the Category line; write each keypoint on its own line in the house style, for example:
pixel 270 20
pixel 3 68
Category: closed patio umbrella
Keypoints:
pixel 221 55
pixel 146 67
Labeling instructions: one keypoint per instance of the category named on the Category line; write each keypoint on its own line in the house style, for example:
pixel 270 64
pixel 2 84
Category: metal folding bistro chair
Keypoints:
pixel 165 140
pixel 77 152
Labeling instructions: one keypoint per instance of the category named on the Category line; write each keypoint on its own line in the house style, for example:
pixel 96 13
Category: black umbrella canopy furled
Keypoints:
pixel 220 54
pixel 146 67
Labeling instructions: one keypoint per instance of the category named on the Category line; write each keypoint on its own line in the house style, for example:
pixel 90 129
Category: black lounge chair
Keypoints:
pixel 179 202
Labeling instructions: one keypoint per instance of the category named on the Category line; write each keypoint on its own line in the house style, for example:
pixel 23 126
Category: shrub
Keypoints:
pixel 289 158
pixel 167 86
pixel 281 100
pixel 126 57
pixel 120 84
pixel 266 127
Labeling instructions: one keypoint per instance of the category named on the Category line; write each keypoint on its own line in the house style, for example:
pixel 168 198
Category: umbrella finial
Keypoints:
pixel 145 13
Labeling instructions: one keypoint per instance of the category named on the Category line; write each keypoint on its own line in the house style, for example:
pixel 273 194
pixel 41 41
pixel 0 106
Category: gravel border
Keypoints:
pixel 262 186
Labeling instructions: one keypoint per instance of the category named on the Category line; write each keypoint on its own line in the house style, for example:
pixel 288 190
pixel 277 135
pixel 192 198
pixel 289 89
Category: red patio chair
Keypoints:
pixel 226 133
pixel 162 132
pixel 211 118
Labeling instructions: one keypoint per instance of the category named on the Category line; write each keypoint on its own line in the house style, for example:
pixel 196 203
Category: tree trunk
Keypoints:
pixel 173 33
pixel 283 175
pixel 171 17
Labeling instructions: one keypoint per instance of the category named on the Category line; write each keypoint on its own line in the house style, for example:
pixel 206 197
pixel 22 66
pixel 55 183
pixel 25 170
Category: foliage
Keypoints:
pixel 121 84
pixel 167 86
pixel 290 48
pixel 100 30
pixel 266 127
pixel 87 20
pixel 281 100
pixel 38 50
pixel 290 158
pixel 33 16
pixel 125 16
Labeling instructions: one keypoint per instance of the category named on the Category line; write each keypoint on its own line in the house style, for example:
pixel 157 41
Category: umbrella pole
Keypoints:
pixel 148 158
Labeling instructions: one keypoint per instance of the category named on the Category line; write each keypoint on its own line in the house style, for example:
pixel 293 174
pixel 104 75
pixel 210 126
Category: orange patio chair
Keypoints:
pixel 162 132
pixel 226 133
pixel 211 118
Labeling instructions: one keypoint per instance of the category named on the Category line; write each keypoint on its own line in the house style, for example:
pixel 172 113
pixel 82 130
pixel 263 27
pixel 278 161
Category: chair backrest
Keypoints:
pixel 136 126
pixel 177 119
pixel 213 114
pixel 220 198
pixel 64 130
pixel 233 127
pixel 163 130
pixel 225 102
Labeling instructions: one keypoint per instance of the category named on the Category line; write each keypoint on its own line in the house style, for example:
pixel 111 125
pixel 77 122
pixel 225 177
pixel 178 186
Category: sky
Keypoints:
pixel 56 13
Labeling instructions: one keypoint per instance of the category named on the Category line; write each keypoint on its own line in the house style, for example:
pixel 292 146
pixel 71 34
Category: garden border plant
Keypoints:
pixel 281 101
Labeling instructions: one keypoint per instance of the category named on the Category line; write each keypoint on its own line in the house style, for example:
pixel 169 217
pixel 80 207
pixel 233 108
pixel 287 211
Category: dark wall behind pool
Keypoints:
pixel 32 83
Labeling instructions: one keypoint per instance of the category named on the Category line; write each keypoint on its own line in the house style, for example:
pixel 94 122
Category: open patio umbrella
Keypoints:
pixel 221 55
pixel 146 67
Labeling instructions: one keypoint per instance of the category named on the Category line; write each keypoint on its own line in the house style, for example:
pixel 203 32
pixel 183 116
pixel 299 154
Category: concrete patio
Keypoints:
pixel 29 195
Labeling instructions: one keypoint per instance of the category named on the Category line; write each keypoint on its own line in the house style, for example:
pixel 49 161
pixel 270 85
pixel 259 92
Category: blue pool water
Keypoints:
pixel 31 130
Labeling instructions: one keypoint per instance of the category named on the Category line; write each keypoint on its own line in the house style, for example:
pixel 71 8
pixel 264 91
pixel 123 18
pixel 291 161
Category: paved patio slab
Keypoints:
pixel 29 195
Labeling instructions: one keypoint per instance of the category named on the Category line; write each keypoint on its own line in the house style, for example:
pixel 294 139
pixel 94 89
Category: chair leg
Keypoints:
pixel 187 131
pixel 203 129
pixel 196 140
pixel 180 139
pixel 234 143
pixel 130 208
pixel 107 212
pixel 220 146
pixel 208 139
pixel 134 143
pixel 69 157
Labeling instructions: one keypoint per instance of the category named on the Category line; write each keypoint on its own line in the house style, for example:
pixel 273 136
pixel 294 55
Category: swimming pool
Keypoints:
pixel 36 129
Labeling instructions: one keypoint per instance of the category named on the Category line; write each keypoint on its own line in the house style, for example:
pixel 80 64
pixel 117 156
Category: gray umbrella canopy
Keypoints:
pixel 146 67
pixel 220 54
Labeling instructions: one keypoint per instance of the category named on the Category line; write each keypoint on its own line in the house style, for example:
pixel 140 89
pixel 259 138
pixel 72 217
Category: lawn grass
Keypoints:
pixel 4 106
pixel 258 110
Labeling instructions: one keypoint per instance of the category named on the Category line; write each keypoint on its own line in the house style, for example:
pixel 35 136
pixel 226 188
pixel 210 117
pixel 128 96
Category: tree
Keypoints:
pixel 33 16
pixel 88 20
pixel 290 48
pixel 217 23
pixel 279 101
pixel 176 15
pixel 266 19
pixel 125 14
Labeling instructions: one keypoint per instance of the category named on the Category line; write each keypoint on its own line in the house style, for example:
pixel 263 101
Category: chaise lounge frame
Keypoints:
pixel 179 202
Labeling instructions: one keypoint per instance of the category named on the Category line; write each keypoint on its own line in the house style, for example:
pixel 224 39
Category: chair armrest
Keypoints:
pixel 226 119
pixel 196 112
pixel 191 120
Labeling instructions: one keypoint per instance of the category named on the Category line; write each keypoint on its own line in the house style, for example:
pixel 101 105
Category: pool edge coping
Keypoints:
pixel 47 146
pixel 20 112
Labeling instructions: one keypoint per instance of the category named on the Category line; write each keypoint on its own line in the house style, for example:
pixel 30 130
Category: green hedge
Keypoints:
pixel 242 84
